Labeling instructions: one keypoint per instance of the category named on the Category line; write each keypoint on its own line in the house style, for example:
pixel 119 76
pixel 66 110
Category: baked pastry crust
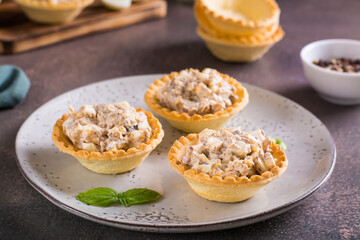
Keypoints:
pixel 109 162
pixel 224 22
pixel 196 123
pixel 48 12
pixel 258 35
pixel 239 49
pixel 223 189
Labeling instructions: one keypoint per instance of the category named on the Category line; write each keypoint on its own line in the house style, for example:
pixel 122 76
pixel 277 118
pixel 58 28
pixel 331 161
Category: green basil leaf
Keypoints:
pixel 140 195
pixel 101 197
pixel 281 143
pixel 124 202
pixel 121 195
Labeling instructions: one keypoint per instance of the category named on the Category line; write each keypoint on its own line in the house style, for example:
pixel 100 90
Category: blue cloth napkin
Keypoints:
pixel 14 85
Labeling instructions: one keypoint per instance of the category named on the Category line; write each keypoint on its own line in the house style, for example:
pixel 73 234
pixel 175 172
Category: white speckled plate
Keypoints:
pixel 59 177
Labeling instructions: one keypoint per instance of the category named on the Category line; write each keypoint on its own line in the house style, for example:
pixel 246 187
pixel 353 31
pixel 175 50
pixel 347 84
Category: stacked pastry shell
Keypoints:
pixel 235 39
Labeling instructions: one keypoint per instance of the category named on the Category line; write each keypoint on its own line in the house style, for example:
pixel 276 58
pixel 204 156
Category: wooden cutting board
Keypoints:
pixel 18 34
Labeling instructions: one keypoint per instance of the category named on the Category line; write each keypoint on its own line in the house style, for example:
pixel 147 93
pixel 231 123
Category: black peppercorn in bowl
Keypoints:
pixel 332 68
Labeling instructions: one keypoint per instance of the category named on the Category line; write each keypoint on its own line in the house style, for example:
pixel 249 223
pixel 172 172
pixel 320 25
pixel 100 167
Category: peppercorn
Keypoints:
pixel 340 64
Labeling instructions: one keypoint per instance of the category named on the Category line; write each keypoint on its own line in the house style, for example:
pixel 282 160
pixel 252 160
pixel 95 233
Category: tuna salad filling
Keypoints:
pixel 230 152
pixel 107 127
pixel 195 92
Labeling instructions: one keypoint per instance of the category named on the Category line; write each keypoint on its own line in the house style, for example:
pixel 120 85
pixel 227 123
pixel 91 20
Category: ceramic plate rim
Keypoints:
pixel 196 227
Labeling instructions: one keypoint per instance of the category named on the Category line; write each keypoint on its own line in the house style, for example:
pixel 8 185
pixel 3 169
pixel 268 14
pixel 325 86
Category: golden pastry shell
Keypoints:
pixel 195 123
pixel 48 12
pixel 259 35
pixel 239 49
pixel 110 162
pixel 227 24
pixel 55 6
pixel 223 189
pixel 241 41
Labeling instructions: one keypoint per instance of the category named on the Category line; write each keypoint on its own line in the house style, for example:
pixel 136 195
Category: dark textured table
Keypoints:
pixel 158 46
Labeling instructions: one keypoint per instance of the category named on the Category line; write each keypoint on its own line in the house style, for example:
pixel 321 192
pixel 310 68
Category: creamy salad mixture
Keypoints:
pixel 107 127
pixel 230 152
pixel 196 92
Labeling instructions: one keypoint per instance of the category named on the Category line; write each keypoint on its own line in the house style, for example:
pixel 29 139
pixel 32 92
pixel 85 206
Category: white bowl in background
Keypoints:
pixel 336 87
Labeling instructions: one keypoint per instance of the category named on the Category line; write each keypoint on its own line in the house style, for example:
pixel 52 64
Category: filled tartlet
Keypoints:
pixel 108 138
pixel 192 100
pixel 53 11
pixel 228 165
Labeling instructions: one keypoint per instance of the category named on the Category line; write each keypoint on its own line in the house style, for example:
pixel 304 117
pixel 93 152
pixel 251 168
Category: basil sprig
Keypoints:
pixel 281 143
pixel 104 197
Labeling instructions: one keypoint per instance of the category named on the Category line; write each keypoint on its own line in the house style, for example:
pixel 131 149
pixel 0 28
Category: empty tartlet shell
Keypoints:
pixel 240 27
pixel 195 123
pixel 239 49
pixel 223 189
pixel 48 12
pixel 110 162
pixel 256 36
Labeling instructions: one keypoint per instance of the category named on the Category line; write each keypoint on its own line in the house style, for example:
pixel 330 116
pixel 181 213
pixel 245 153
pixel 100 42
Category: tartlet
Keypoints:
pixel 260 35
pixel 238 31
pixel 224 188
pixel 239 49
pixel 52 12
pixel 246 17
pixel 196 123
pixel 110 162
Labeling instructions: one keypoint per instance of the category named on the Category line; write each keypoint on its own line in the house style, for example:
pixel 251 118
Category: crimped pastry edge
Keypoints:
pixel 241 41
pixel 176 152
pixel 152 102
pixel 64 144
pixel 249 36
pixel 275 13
